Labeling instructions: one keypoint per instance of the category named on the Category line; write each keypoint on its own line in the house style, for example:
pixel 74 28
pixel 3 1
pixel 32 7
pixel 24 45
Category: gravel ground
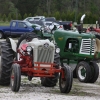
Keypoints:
pixel 32 90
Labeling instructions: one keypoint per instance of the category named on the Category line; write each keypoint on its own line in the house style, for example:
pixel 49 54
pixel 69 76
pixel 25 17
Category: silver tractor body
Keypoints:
pixel 43 50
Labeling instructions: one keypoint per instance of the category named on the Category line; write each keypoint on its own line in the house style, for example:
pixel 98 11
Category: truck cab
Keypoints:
pixel 16 28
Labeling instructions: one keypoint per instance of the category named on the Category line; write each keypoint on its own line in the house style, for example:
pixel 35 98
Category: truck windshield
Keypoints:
pixel 28 23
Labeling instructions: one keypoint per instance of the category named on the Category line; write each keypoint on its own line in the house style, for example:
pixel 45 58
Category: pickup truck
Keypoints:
pixel 16 28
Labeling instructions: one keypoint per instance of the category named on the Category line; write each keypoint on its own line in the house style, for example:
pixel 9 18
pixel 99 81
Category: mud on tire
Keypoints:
pixel 6 59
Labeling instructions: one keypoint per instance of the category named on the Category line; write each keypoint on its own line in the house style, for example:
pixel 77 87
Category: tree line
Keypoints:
pixel 70 10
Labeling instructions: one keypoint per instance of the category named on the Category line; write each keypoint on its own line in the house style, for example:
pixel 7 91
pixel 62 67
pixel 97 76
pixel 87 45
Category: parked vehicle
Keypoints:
pixel 49 25
pixel 35 18
pixel 52 19
pixel 37 22
pixel 67 25
pixel 28 18
pixel 16 28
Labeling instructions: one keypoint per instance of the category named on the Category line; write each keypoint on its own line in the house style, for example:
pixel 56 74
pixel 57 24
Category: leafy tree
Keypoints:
pixel 4 17
pixel 19 16
pixel 0 16
pixel 9 17
pixel 30 15
pixel 63 16
pixel 25 15
pixel 57 15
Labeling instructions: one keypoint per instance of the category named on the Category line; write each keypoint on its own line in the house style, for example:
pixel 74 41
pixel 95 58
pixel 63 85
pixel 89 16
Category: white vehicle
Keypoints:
pixel 50 25
pixel 37 18
pixel 28 18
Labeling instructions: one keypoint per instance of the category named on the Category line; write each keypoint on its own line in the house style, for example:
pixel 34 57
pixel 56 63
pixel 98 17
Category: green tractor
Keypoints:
pixel 78 49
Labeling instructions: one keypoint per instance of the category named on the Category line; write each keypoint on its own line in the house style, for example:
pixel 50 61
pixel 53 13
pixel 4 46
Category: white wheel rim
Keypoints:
pixel 18 55
pixel 82 77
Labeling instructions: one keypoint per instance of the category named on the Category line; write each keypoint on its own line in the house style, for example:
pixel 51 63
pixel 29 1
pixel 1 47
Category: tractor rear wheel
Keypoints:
pixel 15 78
pixel 52 81
pixel 6 60
pixel 83 71
pixel 65 83
pixel 95 72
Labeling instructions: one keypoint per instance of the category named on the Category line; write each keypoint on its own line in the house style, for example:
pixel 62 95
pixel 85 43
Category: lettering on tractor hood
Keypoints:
pixel 61 38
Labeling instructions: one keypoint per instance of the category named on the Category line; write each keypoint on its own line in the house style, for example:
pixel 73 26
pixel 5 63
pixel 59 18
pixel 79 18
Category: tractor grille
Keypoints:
pixel 87 46
pixel 45 54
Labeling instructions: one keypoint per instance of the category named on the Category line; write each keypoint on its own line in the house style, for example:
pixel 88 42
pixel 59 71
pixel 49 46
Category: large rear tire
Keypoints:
pixel 7 56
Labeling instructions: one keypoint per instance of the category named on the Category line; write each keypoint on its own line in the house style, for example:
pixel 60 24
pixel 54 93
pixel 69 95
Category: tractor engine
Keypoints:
pixel 43 50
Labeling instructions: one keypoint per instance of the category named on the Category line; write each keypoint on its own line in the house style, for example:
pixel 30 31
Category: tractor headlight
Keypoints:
pixel 29 48
pixel 57 50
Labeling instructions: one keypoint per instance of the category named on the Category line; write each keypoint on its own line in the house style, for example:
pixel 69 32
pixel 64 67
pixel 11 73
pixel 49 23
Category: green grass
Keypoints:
pixel 4 23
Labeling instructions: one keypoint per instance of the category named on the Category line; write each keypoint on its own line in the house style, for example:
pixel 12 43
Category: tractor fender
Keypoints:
pixel 13 44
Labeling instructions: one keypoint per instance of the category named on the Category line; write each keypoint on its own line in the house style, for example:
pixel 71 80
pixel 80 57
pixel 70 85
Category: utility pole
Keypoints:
pixel 16 9
pixel 76 10
pixel 48 6
pixel 16 14
pixel 84 6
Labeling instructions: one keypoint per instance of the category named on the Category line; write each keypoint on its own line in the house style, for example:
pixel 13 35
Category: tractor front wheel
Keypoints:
pixel 15 78
pixel 65 83
pixel 83 72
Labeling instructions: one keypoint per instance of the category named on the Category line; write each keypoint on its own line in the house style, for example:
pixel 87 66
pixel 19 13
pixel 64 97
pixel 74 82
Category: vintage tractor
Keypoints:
pixel 78 49
pixel 33 57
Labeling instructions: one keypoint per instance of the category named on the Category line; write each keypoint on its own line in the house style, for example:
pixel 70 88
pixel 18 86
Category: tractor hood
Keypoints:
pixel 72 34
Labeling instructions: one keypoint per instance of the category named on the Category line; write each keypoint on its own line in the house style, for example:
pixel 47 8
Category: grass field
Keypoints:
pixel 4 23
